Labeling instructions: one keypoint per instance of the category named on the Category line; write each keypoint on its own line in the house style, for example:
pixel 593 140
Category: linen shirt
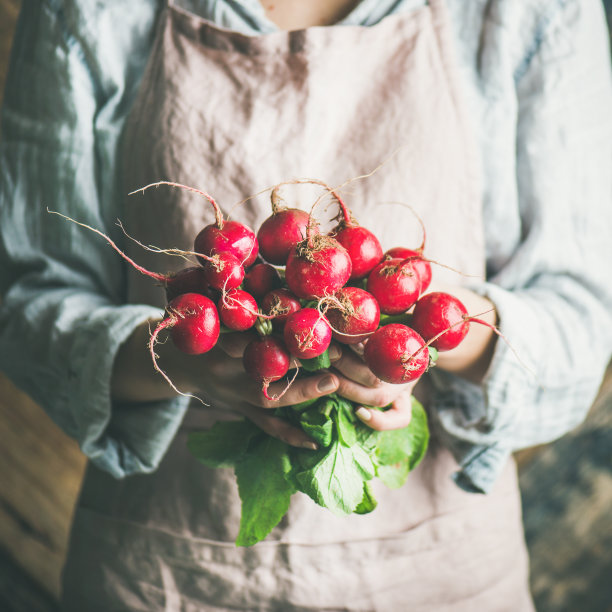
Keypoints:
pixel 537 80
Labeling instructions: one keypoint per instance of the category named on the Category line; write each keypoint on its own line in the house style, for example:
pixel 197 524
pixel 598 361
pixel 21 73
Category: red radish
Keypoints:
pixel 224 271
pixel 421 266
pixel 280 232
pixel 279 304
pixel 221 236
pixel 441 319
pixel 317 266
pixel 266 359
pixel 260 279
pixel 363 248
pixel 395 285
pixel 187 280
pixel 396 354
pixel 353 314
pixel 193 322
pixel 360 243
pixel 307 333
pixel 237 310
pixel 231 237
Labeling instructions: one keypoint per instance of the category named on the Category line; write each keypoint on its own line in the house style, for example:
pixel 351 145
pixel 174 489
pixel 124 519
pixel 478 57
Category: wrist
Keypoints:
pixel 472 358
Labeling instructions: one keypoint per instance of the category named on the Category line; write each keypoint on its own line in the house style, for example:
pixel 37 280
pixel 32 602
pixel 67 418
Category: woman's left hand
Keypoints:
pixel 360 385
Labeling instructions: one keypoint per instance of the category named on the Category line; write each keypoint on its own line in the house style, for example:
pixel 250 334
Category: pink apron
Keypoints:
pixel 233 114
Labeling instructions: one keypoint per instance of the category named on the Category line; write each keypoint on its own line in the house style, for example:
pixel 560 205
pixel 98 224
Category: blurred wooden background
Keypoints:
pixel 567 492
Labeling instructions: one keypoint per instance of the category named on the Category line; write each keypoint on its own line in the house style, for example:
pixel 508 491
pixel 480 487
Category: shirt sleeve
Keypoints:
pixel 63 314
pixel 554 295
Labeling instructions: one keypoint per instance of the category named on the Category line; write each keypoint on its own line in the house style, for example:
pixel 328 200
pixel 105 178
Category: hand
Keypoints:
pixel 358 384
pixel 224 381
pixel 216 376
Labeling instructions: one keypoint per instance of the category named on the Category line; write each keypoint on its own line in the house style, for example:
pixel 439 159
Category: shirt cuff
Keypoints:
pixel 122 439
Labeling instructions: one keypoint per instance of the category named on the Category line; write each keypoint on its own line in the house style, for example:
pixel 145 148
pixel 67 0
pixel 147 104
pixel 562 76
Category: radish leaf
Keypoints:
pixel 264 488
pixel 336 480
pixel 316 363
pixel 368 503
pixel 399 451
pixel 223 444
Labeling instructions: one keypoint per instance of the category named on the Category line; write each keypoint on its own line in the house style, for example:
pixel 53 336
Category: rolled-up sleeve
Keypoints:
pixel 63 317
pixel 554 294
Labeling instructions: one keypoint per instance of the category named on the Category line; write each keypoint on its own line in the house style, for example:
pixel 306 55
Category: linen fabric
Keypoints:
pixel 205 107
pixel 537 80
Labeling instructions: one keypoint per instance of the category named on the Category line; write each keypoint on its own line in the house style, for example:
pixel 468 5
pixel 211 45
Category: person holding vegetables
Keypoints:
pixel 492 120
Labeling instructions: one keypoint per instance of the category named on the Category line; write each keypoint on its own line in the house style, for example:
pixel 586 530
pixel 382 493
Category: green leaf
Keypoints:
pixel 316 363
pixel 344 418
pixel 433 354
pixel 305 404
pixel 316 423
pixel 386 319
pixel 409 443
pixel 336 480
pixel 394 476
pixel 401 450
pixel 367 437
pixel 419 433
pixel 223 444
pixel 264 488
pixel 368 503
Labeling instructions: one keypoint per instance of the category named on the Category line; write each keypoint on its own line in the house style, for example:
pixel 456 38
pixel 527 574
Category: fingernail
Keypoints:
pixel 364 414
pixel 327 385
pixel 335 352
pixel 309 445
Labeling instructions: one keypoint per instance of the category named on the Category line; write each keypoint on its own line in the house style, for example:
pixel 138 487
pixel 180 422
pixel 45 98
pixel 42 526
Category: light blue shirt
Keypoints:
pixel 538 82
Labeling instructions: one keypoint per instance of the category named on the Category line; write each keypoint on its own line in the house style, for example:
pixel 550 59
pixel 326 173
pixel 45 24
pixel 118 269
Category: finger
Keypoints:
pixel 278 428
pixel 380 396
pixel 354 368
pixel 358 348
pixel 398 416
pixel 298 391
pixel 234 344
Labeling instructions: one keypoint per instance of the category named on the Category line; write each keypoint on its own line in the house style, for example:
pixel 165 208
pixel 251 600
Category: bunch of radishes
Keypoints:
pixel 299 288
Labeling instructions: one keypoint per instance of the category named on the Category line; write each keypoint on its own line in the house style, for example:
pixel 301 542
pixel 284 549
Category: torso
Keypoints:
pixel 299 14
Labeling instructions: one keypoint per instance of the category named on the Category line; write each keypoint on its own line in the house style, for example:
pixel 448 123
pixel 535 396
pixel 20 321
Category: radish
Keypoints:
pixel 317 266
pixel 228 237
pixel 187 280
pixel 353 313
pixel 261 279
pixel 223 271
pixel 279 304
pixel 395 285
pixel 421 265
pixel 193 321
pixel 237 310
pixel 360 243
pixel 307 333
pixel 441 319
pixel 362 246
pixel 279 233
pixel 266 359
pixel 221 236
pixel 396 354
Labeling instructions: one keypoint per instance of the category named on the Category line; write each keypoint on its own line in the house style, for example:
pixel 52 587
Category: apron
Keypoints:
pixel 233 114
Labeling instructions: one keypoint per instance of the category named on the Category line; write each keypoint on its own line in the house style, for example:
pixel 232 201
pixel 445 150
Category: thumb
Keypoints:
pixel 397 417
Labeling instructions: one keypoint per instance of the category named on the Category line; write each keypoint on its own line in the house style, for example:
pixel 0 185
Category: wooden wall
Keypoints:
pixel 567 494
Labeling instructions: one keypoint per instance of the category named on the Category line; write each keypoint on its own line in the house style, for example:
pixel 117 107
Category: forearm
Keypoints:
pixel 134 377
